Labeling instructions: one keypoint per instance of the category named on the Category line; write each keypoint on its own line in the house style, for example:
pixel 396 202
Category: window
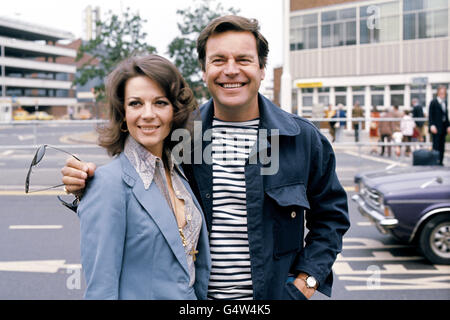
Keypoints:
pixel 377 100
pixel 304 32
pixel 338 28
pixel 425 19
pixel 379 23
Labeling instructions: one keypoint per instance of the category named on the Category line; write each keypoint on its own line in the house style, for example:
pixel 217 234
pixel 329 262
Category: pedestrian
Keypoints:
pixel 357 112
pixel 417 112
pixel 143 235
pixel 329 113
pixel 407 126
pixel 256 221
pixel 438 121
pixel 397 136
pixel 386 131
pixel 374 131
pixel 339 125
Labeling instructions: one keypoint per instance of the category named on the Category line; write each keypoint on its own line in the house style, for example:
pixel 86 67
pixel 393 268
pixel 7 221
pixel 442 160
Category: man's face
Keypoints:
pixel 442 93
pixel 233 75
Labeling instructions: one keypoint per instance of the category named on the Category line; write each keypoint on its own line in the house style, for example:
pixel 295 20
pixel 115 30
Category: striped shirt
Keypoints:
pixel 231 271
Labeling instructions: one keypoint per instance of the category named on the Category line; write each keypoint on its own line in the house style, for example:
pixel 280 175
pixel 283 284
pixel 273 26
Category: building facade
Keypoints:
pixel 376 52
pixel 32 76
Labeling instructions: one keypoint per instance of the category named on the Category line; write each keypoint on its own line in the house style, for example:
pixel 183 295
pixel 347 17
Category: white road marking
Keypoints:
pixel 379 256
pixel 34 227
pixel 6 153
pixel 344 268
pixel 415 283
pixel 370 244
pixel 356 154
pixel 365 224
pixel 45 266
pixel 25 137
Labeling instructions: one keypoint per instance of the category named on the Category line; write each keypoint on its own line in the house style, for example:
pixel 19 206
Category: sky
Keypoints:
pixel 161 18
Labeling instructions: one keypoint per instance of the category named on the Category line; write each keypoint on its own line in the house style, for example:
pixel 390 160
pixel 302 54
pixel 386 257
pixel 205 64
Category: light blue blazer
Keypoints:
pixel 130 245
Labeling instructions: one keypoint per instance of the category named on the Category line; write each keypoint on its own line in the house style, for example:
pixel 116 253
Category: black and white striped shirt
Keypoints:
pixel 231 272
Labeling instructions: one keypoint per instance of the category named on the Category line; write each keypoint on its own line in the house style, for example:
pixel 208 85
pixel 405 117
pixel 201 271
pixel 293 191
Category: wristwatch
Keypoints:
pixel 311 282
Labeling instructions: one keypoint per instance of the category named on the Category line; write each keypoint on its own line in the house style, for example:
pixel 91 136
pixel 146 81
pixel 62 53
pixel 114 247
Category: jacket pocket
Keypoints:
pixel 288 205
pixel 291 292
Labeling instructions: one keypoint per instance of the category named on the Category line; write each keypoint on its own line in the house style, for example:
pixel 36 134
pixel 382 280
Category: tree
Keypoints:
pixel 183 48
pixel 117 38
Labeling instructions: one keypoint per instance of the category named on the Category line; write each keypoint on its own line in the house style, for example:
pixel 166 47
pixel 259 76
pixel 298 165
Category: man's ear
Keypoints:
pixel 204 76
pixel 263 73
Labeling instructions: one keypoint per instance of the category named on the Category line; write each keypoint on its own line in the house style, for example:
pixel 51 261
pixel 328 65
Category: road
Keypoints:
pixel 39 238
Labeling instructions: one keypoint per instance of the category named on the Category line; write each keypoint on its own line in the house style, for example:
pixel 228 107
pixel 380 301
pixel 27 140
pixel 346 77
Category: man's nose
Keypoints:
pixel 231 68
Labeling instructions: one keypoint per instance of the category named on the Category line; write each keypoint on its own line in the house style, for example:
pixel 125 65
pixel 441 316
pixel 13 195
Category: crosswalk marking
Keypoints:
pixel 34 227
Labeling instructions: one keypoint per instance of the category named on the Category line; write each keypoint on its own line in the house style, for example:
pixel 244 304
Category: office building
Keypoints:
pixel 32 76
pixel 377 52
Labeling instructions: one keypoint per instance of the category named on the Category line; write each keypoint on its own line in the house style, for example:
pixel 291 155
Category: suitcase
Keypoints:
pixel 423 157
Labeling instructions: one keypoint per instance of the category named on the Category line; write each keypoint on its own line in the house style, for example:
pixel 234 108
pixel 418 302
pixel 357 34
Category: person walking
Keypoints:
pixel 386 129
pixel 329 113
pixel 374 128
pixel 417 112
pixel 357 112
pixel 407 126
pixel 340 123
pixel 256 218
pixel 438 121
pixel 143 235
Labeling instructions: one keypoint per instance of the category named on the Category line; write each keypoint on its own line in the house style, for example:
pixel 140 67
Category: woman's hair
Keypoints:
pixel 232 23
pixel 158 69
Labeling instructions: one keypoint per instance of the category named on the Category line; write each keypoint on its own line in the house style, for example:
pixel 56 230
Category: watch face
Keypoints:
pixel 311 281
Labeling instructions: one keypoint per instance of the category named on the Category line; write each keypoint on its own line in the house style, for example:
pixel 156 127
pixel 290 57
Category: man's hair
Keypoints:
pixel 158 69
pixel 232 23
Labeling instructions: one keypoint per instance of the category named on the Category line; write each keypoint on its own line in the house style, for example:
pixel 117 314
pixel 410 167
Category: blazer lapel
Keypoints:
pixel 157 208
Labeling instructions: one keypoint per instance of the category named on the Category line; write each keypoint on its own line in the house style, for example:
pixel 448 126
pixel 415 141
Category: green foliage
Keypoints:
pixel 118 38
pixel 183 48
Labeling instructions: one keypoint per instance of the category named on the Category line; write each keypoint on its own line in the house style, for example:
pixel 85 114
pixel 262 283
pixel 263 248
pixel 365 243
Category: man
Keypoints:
pixel 357 112
pixel 386 131
pixel 438 121
pixel 256 221
pixel 417 112
pixel 340 124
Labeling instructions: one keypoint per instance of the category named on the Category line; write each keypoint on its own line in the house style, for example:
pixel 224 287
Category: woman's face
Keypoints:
pixel 148 113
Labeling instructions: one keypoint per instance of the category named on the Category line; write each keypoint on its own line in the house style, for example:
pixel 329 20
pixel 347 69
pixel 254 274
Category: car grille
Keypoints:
pixel 371 196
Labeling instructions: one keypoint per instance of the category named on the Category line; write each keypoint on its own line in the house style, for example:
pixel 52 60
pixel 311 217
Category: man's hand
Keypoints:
pixel 300 283
pixel 75 174
pixel 448 130
pixel 433 129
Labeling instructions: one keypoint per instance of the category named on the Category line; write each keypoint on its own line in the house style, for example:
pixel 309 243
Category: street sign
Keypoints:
pixel 419 80
pixel 309 85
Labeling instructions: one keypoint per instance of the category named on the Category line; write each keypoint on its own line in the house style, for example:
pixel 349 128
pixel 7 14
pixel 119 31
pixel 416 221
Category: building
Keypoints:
pixel 377 52
pixel 32 76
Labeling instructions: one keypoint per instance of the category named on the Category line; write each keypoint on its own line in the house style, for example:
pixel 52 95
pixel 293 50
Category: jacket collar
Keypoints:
pixel 271 117
pixel 156 207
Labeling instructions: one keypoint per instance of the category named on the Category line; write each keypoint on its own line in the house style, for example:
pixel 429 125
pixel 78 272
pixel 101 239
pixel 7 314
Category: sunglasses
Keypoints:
pixel 40 152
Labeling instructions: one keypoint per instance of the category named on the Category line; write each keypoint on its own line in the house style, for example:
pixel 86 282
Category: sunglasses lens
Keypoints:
pixel 39 154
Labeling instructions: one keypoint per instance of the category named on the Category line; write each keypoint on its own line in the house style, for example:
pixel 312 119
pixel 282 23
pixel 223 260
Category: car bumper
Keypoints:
pixel 384 224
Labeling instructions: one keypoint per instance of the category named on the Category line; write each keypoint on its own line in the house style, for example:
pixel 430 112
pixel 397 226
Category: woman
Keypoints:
pixel 142 231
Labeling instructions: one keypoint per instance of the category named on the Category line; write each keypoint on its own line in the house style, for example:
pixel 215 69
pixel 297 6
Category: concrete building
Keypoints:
pixel 32 75
pixel 377 52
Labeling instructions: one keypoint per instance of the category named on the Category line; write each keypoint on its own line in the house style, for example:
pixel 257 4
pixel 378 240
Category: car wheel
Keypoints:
pixel 435 240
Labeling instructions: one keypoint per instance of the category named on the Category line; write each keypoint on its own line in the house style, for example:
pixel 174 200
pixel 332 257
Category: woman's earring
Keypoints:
pixel 121 126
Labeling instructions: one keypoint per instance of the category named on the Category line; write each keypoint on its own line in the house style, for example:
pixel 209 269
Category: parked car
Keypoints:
pixel 22 115
pixel 42 115
pixel 83 115
pixel 410 203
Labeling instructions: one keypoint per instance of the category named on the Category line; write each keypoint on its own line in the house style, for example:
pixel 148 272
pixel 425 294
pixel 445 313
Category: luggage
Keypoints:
pixel 423 157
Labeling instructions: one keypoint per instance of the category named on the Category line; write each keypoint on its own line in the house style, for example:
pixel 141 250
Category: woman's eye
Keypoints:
pixel 162 103
pixel 134 103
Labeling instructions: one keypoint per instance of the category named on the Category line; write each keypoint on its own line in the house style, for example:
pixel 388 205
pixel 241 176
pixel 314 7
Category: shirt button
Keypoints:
pixel 293 214
pixel 208 196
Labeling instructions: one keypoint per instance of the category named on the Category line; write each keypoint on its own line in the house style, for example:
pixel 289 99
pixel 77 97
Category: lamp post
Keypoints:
pixel 286 80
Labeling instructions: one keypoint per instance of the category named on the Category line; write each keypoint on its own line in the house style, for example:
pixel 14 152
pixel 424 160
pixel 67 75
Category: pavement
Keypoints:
pixel 91 137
